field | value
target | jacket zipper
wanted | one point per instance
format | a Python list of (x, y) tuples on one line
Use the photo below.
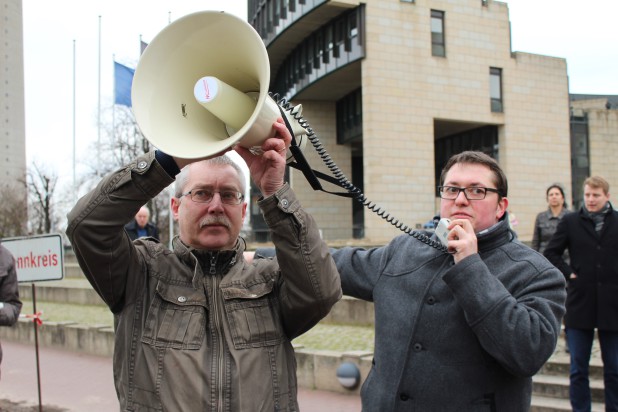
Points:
[(217, 322)]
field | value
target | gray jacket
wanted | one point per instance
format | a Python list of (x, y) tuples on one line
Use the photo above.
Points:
[(465, 337), (202, 330)]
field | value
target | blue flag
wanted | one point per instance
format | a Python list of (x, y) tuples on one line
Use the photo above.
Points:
[(123, 79)]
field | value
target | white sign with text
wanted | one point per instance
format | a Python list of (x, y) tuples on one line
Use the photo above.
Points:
[(37, 257)]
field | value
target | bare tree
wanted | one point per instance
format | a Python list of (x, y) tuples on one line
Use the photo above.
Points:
[(13, 209), (41, 187), (123, 142)]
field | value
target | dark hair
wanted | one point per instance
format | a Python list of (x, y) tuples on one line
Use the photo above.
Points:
[(480, 158), (559, 187)]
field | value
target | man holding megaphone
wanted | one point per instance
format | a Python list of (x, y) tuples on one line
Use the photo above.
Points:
[(197, 327)]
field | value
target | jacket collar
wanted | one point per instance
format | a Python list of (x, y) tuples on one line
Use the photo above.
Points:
[(204, 261), (495, 236)]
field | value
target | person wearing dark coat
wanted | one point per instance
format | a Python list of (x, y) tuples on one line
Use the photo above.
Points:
[(591, 237), (10, 305), (463, 330), (140, 226)]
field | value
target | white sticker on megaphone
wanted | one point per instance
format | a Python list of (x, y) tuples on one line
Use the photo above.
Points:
[(206, 89)]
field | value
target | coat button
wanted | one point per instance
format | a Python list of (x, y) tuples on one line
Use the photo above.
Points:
[(404, 397), (142, 164), (182, 299), (285, 203), (431, 300), (417, 347)]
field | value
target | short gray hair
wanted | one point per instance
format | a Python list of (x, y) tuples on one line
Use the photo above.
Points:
[(223, 160)]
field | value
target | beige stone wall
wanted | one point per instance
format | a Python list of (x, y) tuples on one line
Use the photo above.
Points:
[(603, 140), (535, 140), (414, 88), (405, 89), (333, 213)]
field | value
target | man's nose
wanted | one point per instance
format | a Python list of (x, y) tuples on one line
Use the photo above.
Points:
[(461, 197), (215, 204)]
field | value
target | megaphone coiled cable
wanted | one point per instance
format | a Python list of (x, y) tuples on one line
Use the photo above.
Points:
[(345, 183)]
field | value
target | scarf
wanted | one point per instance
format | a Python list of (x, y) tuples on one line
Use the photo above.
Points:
[(598, 217)]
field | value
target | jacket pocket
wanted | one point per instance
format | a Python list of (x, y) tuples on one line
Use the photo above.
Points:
[(253, 314), (176, 318)]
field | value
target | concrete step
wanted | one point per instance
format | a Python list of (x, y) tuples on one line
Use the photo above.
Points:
[(316, 369), (560, 364), (73, 271), (557, 387), (547, 404), (74, 291)]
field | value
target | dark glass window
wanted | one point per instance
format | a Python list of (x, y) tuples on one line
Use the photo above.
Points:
[(438, 41), (495, 89), (483, 139)]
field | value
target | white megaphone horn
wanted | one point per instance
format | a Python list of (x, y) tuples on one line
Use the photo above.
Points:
[(201, 86)]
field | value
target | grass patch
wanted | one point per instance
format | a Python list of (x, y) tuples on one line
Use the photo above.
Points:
[(340, 338), (63, 312)]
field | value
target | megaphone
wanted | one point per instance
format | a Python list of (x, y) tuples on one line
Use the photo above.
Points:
[(201, 86)]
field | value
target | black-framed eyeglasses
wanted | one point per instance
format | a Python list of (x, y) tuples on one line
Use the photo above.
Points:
[(471, 193), (229, 197)]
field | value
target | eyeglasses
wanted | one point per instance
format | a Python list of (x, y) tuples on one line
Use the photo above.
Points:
[(229, 197), (471, 193)]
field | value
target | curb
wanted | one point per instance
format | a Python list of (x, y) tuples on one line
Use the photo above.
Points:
[(315, 369)]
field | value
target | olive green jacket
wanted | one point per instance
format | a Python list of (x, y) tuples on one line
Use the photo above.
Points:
[(202, 330)]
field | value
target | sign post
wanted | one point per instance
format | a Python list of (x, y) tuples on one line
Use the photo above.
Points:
[(37, 258)]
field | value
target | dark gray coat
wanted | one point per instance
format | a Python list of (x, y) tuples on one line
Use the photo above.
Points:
[(592, 298), (9, 292), (465, 337)]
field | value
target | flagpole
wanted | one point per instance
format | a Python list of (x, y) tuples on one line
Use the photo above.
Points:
[(114, 105), (74, 180), (99, 108)]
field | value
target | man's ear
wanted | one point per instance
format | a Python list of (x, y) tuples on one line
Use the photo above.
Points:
[(244, 211), (175, 204), (503, 205)]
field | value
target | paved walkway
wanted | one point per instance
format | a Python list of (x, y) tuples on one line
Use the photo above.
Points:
[(78, 382)]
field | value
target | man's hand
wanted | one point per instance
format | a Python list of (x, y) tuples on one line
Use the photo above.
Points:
[(462, 240), (267, 170)]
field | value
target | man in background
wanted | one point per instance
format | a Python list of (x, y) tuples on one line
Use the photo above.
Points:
[(591, 237), (141, 227)]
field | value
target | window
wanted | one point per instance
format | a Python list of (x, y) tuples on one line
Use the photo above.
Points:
[(438, 47), (495, 89)]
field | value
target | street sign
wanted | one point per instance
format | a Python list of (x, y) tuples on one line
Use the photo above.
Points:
[(37, 258)]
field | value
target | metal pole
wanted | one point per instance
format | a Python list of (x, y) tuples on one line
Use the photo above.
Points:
[(74, 156), (36, 346), (99, 108)]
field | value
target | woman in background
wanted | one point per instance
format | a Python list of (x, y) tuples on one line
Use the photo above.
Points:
[(547, 221)]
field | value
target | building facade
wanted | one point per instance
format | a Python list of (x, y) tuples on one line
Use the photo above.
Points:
[(594, 141), (392, 88), (12, 118)]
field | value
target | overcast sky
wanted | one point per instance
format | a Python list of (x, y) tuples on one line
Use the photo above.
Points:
[(580, 31)]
